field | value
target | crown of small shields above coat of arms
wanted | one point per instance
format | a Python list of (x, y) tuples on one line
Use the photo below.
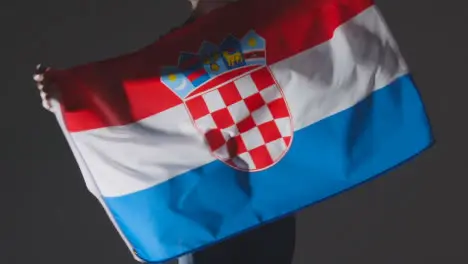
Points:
[(234, 101), (195, 69)]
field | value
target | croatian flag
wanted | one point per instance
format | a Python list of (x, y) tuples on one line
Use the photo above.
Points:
[(247, 115)]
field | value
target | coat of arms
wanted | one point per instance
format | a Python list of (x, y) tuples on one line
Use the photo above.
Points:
[(234, 101)]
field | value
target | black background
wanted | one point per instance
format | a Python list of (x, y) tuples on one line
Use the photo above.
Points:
[(416, 213)]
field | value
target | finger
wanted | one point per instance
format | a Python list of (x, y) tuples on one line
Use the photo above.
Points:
[(44, 96), (44, 87), (46, 101), (40, 86), (42, 83), (38, 78), (40, 72), (46, 104)]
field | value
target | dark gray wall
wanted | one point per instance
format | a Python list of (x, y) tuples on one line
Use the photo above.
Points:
[(414, 214)]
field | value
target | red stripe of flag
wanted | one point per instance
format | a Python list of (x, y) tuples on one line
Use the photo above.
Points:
[(123, 90)]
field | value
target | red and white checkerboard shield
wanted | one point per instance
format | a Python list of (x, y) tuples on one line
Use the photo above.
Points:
[(246, 121)]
